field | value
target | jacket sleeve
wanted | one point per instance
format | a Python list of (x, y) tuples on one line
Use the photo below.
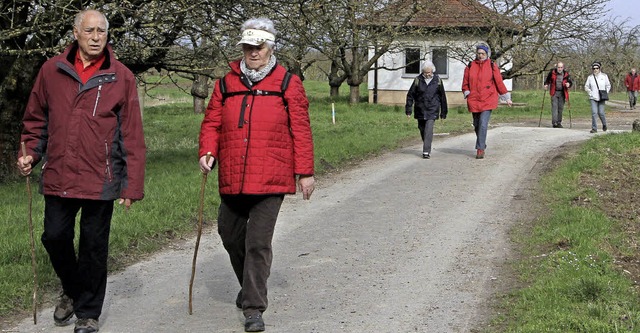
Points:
[(300, 123), (35, 132), (211, 124), (465, 79), (133, 142), (497, 77), (408, 107), (547, 81), (444, 109), (607, 83)]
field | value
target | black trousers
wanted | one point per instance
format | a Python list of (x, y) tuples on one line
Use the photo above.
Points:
[(83, 277), (246, 224)]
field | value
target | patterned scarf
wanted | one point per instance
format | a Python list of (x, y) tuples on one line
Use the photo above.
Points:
[(254, 75)]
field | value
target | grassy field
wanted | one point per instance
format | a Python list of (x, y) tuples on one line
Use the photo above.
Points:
[(597, 289)]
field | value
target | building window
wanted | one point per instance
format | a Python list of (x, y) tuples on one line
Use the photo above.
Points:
[(412, 61), (439, 59)]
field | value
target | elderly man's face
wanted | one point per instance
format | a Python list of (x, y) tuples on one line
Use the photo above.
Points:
[(91, 36), (427, 72), (256, 57)]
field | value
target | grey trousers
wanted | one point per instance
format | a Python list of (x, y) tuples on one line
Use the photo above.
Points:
[(633, 97), (557, 106), (426, 132)]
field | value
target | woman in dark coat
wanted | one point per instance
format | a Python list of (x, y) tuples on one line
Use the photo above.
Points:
[(428, 95)]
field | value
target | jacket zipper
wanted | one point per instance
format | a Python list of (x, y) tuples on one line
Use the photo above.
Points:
[(97, 98), (108, 169)]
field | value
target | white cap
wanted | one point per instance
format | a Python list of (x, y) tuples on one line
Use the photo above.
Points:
[(256, 37)]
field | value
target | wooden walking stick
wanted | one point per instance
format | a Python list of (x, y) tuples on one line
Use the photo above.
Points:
[(195, 250), (569, 104), (33, 246), (542, 107)]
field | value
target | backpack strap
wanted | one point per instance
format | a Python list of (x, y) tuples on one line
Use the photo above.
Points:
[(254, 92)]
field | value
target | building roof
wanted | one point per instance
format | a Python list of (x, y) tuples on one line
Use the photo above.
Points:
[(440, 14)]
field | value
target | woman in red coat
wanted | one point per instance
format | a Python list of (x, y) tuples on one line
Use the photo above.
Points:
[(482, 85), (257, 129)]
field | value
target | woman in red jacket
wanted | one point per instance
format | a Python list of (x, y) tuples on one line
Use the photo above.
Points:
[(482, 85), (257, 128)]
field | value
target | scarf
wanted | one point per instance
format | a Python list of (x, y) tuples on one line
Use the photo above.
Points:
[(254, 75)]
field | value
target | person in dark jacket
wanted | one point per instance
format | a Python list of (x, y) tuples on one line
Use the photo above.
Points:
[(83, 122), (260, 137), (428, 100), (558, 82)]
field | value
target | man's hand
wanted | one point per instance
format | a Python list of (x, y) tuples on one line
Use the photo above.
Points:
[(127, 203), (306, 186), (24, 165)]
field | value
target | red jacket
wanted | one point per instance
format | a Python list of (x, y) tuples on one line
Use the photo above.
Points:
[(263, 154), (484, 82), (632, 82), (550, 81), (90, 136)]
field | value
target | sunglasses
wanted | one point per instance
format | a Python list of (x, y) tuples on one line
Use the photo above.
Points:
[(595, 67)]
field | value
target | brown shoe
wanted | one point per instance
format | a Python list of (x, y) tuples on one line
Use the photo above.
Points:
[(63, 311), (86, 325), (480, 154)]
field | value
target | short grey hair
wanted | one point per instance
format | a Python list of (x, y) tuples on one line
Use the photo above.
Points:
[(260, 23), (429, 64), (77, 21)]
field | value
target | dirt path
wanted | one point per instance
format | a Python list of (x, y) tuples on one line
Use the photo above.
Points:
[(399, 244)]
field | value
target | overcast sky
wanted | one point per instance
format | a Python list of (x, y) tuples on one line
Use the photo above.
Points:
[(626, 11)]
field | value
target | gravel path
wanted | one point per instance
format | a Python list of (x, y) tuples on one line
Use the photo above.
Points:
[(399, 244)]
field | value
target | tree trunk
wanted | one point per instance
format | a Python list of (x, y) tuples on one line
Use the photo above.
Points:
[(199, 91), (354, 94), (14, 93)]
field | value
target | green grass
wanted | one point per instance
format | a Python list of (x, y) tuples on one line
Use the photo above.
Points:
[(571, 280), (173, 180)]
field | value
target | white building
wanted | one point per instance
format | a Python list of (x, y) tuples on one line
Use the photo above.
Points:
[(446, 32)]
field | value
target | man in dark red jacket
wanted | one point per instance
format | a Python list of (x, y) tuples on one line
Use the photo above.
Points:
[(260, 136), (83, 121), (558, 82), (632, 82)]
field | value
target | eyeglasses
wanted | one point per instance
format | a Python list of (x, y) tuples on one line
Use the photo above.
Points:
[(595, 67)]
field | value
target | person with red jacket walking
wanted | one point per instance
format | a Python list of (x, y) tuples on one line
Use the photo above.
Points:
[(257, 129), (632, 82), (558, 82), (83, 121), (482, 85)]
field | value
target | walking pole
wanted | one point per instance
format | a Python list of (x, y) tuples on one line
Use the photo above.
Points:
[(569, 104), (195, 251), (542, 107), (33, 248)]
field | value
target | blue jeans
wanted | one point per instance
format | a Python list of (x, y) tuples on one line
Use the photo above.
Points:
[(481, 126), (597, 108)]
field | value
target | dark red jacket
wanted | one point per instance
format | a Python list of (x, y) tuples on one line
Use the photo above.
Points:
[(550, 81), (632, 82), (262, 151), (89, 136), (484, 82)]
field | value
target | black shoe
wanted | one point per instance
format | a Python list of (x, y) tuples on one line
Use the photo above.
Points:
[(559, 126), (254, 323), (426, 155), (604, 128), (239, 300), (86, 325), (63, 311), (593, 131), (554, 125)]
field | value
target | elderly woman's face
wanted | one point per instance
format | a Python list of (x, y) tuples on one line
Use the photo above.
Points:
[(427, 72), (481, 54), (256, 57)]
